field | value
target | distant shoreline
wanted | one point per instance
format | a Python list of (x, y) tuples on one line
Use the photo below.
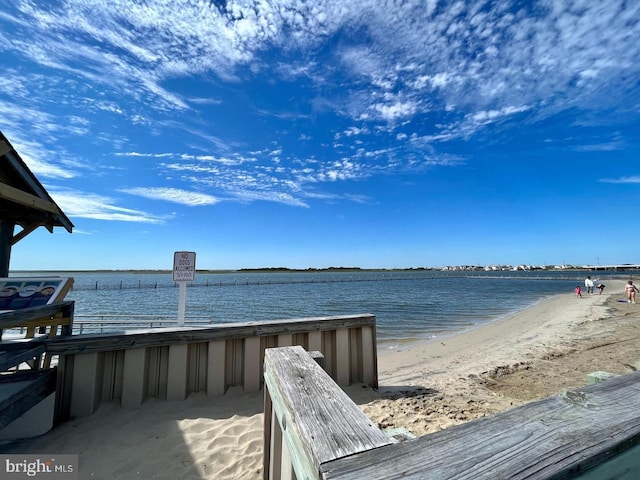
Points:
[(333, 270)]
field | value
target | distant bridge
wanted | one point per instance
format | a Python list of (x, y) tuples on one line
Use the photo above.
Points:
[(623, 267)]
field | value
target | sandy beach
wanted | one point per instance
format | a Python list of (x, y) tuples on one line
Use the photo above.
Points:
[(544, 350)]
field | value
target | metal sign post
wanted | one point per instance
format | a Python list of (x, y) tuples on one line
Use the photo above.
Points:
[(184, 270)]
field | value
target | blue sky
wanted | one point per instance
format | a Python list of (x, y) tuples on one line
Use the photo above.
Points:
[(376, 134)]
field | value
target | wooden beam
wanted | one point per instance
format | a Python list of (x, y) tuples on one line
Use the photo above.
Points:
[(4, 148), (23, 198), (16, 357), (227, 331), (558, 437), (26, 230)]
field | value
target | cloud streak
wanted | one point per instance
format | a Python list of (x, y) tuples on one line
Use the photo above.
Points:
[(175, 195), (96, 207)]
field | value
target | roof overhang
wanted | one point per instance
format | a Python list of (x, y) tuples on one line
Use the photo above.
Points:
[(23, 199)]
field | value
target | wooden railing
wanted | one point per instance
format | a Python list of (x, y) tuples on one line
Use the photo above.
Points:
[(117, 323), (45, 321), (314, 431), (308, 419), (55, 319), (171, 363), (26, 332)]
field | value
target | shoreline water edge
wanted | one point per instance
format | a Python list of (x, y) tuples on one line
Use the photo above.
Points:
[(409, 306), (540, 351)]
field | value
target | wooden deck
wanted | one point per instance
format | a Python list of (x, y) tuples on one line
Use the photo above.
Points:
[(590, 431)]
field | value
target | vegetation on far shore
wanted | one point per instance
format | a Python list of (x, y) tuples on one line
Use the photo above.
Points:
[(329, 269)]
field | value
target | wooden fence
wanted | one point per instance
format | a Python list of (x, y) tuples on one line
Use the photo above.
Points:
[(171, 363), (314, 431)]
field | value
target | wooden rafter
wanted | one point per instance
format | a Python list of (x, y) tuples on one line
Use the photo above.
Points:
[(25, 231), (23, 198)]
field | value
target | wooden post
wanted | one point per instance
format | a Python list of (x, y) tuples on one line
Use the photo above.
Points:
[(318, 421), (6, 235)]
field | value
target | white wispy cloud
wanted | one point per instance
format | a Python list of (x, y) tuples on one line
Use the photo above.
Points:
[(602, 147), (174, 195), (635, 179), (78, 204), (41, 161), (468, 53)]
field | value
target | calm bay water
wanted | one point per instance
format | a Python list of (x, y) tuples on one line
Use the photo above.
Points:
[(408, 305)]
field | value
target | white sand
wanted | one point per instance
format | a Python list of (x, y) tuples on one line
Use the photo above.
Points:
[(424, 388)]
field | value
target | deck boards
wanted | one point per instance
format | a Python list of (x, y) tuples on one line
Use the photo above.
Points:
[(559, 437)]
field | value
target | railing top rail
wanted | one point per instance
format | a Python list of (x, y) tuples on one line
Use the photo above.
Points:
[(137, 321), (16, 317), (558, 437), (318, 419), (94, 342), (137, 316)]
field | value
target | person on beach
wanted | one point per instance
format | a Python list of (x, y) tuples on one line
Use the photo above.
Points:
[(600, 287), (630, 289), (588, 283), (578, 291)]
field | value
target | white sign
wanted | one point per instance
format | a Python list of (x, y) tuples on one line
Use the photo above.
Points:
[(184, 266)]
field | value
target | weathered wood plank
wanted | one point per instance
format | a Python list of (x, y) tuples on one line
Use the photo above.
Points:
[(20, 343), (319, 421), (165, 336), (24, 392), (558, 437), (16, 357), (18, 317)]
